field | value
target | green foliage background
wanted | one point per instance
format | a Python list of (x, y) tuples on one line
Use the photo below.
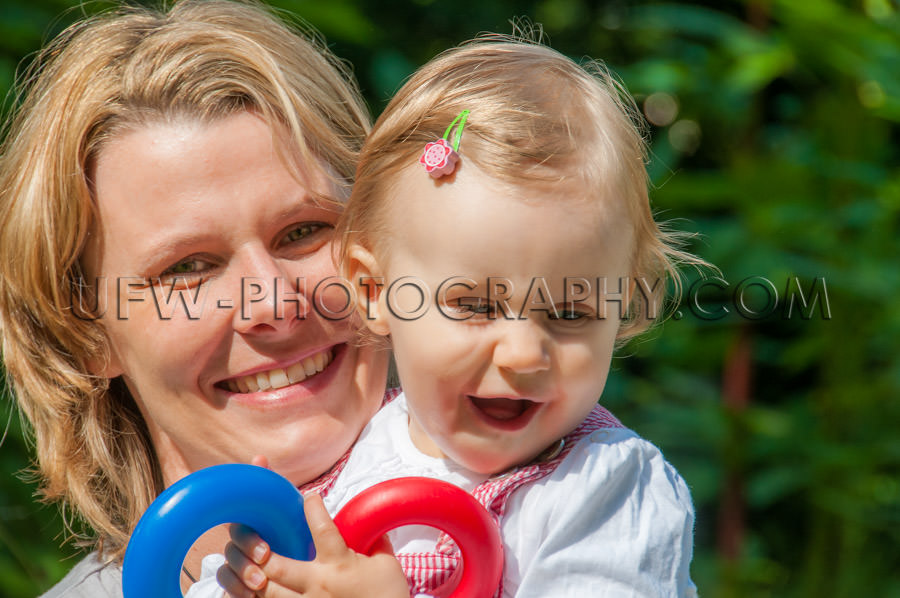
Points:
[(777, 135)]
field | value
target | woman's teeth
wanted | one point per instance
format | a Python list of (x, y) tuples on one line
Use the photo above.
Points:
[(280, 378)]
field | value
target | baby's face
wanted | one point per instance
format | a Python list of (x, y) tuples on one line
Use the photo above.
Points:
[(504, 330)]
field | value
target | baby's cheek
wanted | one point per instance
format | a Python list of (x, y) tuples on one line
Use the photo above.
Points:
[(585, 373)]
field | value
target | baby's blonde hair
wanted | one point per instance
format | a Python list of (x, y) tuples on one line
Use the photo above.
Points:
[(202, 60), (536, 118)]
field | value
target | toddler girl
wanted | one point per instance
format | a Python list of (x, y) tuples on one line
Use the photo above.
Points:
[(500, 235)]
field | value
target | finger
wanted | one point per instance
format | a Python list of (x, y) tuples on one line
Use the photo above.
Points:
[(249, 542), (226, 578), (248, 572), (286, 575), (383, 546), (327, 539), (273, 590), (260, 461)]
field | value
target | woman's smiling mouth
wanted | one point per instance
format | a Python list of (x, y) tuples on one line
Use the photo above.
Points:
[(279, 378)]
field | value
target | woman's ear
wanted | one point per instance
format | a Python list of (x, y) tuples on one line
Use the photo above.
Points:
[(366, 276), (105, 365)]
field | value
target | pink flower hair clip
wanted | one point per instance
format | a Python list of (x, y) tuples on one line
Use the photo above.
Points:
[(440, 157)]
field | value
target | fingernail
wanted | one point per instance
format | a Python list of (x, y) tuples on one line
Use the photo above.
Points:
[(257, 579), (259, 553)]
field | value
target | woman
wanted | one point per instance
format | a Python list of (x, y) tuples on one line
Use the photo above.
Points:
[(169, 188)]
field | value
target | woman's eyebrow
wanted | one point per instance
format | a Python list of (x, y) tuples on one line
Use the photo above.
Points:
[(169, 246)]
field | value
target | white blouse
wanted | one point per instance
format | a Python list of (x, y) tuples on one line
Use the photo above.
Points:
[(614, 519)]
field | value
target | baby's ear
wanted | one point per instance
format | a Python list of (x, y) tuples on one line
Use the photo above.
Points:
[(365, 274)]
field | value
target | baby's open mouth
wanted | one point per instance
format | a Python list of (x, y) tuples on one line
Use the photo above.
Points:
[(279, 378), (501, 408)]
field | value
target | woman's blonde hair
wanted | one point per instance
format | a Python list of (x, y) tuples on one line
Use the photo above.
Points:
[(536, 118), (199, 59)]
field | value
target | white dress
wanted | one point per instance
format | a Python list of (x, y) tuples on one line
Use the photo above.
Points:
[(611, 517)]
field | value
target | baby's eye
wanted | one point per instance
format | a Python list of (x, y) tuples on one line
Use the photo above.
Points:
[(571, 316), (477, 306)]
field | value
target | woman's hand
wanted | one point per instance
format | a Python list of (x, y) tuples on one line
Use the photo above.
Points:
[(337, 572)]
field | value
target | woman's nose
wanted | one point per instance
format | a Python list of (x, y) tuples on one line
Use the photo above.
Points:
[(522, 347), (270, 299)]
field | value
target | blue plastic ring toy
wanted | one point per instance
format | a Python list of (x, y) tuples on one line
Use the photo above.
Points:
[(234, 493)]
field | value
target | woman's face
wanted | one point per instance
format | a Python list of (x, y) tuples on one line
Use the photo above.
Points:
[(208, 250)]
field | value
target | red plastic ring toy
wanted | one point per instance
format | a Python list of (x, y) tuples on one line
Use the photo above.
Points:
[(425, 501)]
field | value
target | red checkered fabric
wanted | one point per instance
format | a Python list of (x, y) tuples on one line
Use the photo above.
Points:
[(426, 572)]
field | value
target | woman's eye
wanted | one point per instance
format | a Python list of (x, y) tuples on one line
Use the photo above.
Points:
[(187, 270), (303, 231), (186, 267)]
